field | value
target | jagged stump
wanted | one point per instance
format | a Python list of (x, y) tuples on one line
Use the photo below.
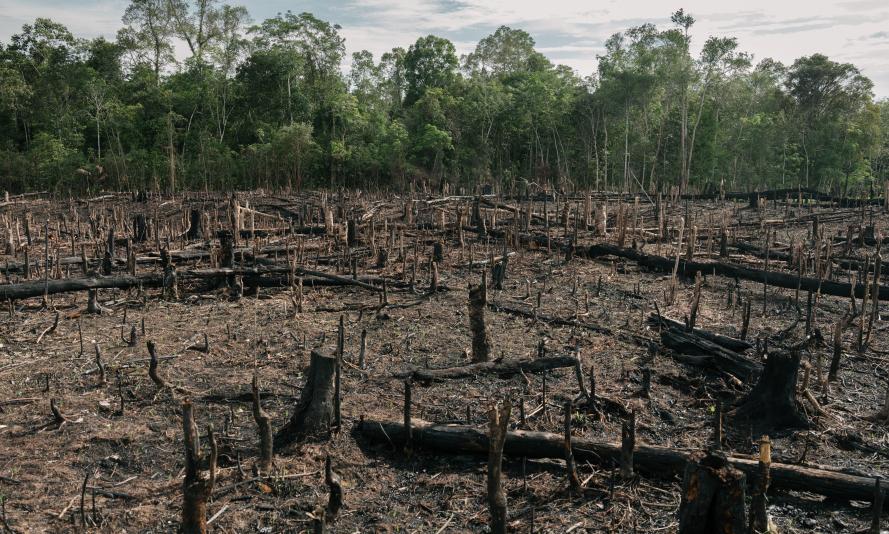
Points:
[(712, 496)]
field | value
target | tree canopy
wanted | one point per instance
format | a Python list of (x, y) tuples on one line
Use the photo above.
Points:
[(274, 104)]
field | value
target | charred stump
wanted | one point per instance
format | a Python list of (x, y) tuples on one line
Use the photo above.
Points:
[(264, 424), (92, 302), (226, 243), (712, 496), (315, 410), (771, 404), (481, 344), (140, 228), (195, 225), (498, 419), (196, 489)]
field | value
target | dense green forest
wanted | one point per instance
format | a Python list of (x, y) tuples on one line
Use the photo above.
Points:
[(278, 104)]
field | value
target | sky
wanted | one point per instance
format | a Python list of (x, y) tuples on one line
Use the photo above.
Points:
[(570, 32)]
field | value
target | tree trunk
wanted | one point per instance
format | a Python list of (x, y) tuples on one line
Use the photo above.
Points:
[(314, 411), (712, 496), (771, 404), (481, 344), (196, 225), (647, 459)]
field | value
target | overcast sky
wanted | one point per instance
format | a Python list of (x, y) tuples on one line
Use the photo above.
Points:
[(571, 32)]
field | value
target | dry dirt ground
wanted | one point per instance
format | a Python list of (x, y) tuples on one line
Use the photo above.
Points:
[(132, 458)]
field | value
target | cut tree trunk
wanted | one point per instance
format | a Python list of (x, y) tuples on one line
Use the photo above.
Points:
[(51, 287), (647, 459), (771, 404), (314, 411)]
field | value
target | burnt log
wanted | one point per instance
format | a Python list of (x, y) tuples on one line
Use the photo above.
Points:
[(696, 350), (651, 460), (689, 268), (51, 287), (730, 343), (505, 368)]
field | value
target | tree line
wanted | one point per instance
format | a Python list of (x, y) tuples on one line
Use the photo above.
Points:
[(275, 105)]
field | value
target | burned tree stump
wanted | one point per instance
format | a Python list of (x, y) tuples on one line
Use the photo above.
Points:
[(264, 424), (712, 496), (140, 229), (152, 366), (226, 242), (771, 404), (481, 344), (315, 410), (352, 236), (335, 490), (196, 489), (498, 419), (92, 302), (195, 225)]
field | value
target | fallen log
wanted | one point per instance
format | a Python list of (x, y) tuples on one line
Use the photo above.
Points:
[(772, 278), (505, 368), (51, 287), (533, 314), (727, 342), (649, 459), (253, 277), (341, 279), (706, 353)]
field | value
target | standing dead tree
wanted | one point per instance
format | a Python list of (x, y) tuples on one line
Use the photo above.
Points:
[(481, 343), (498, 419), (196, 488), (264, 424)]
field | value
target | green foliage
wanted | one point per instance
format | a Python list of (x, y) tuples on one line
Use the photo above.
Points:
[(268, 105)]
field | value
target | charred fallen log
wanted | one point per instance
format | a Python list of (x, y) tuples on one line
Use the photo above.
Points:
[(51, 287), (648, 459), (727, 342), (253, 277), (689, 268), (504, 368), (696, 350)]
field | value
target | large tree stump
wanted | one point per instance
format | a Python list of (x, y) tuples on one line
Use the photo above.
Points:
[(481, 344), (712, 496), (771, 404), (315, 410), (195, 224), (140, 228)]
